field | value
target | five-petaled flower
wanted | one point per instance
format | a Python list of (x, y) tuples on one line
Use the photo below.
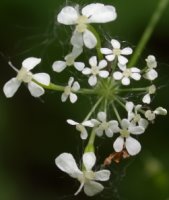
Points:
[(92, 13), (87, 177), (95, 70), (111, 54), (24, 75), (125, 140), (126, 74), (69, 91)]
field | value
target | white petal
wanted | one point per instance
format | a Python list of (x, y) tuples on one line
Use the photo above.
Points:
[(102, 64), (106, 51), (68, 16), (84, 134), (86, 71), (76, 86), (89, 160), (118, 144), (122, 60), (129, 106), (146, 99), (115, 44), (92, 80), (42, 78), (59, 66), (102, 175), (110, 57), (72, 122), (136, 76), (76, 51), (89, 39), (73, 97), (11, 87), (143, 123), (117, 75), (160, 111), (30, 63), (135, 70), (35, 89), (77, 40), (98, 13), (64, 97), (92, 188), (71, 79), (109, 132), (66, 163), (133, 146), (95, 122), (122, 67), (99, 132), (93, 61), (126, 51), (151, 75), (88, 123), (102, 116), (79, 66), (104, 74), (125, 123), (126, 81), (136, 130)]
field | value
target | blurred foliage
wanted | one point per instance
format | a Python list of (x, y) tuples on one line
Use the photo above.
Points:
[(34, 131)]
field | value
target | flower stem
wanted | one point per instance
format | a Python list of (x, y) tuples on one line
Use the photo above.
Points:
[(148, 31), (132, 90), (116, 113), (98, 46), (90, 144)]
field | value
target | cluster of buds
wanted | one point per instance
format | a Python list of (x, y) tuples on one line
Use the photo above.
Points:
[(110, 79)]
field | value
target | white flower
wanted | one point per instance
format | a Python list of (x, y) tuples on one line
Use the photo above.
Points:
[(59, 66), (69, 89), (126, 74), (147, 98), (86, 177), (95, 70), (151, 74), (111, 54), (24, 75), (151, 115), (81, 127), (125, 140), (102, 125), (133, 116), (92, 13)]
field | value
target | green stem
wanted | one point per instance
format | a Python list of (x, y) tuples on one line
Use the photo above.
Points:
[(116, 113), (90, 144), (98, 46), (148, 31), (93, 109), (120, 103), (132, 90)]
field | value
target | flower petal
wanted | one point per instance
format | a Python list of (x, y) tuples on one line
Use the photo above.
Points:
[(42, 78), (66, 163), (31, 62), (88, 123), (118, 144), (117, 75), (126, 51), (136, 130), (136, 76), (89, 160), (59, 66), (89, 39), (73, 97), (76, 86), (122, 60), (110, 57), (125, 123), (104, 74), (102, 64), (129, 106), (11, 87), (92, 80), (106, 51), (84, 134), (102, 175), (79, 66), (68, 16), (86, 71), (64, 97), (77, 40), (133, 146), (99, 13), (115, 44), (93, 61), (102, 116), (109, 132), (151, 75), (35, 89), (143, 123), (146, 99), (126, 81), (72, 122), (92, 188)]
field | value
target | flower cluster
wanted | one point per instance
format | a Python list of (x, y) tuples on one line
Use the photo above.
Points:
[(110, 78)]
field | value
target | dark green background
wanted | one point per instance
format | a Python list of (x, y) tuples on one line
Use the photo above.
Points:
[(33, 131)]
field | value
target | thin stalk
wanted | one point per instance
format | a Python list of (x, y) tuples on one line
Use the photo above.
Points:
[(90, 144), (116, 113), (148, 31), (120, 103), (132, 90)]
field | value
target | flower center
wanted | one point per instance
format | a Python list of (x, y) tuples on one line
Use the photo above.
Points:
[(70, 61), (117, 52), (124, 133), (104, 125), (67, 90), (127, 73), (24, 75), (81, 23), (137, 118), (95, 70), (89, 175), (149, 115), (152, 89)]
